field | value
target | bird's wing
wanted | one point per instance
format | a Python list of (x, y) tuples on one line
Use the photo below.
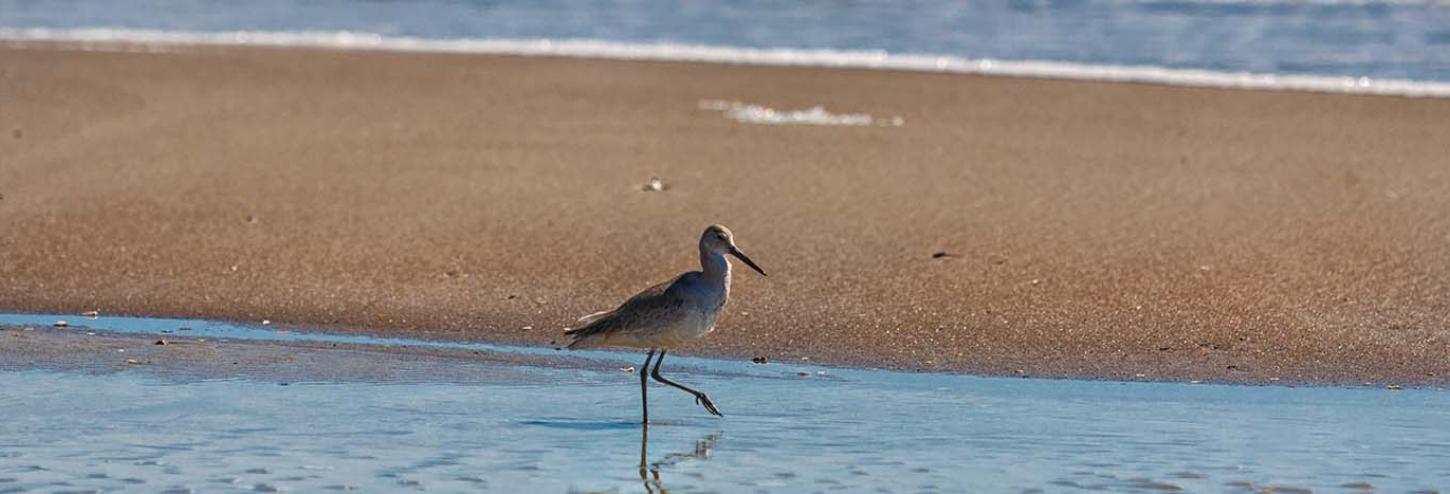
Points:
[(594, 317), (639, 311)]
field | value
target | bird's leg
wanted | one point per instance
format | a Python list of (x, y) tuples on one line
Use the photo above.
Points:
[(700, 398), (643, 380), (644, 456)]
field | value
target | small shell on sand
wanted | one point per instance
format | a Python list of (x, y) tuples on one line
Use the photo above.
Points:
[(653, 185)]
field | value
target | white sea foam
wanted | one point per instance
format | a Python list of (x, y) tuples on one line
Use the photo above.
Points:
[(816, 115), (111, 38)]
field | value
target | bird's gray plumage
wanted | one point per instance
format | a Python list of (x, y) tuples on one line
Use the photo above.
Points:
[(656, 306), (669, 314)]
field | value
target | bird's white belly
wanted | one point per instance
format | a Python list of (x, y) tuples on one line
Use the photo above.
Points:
[(690, 327)]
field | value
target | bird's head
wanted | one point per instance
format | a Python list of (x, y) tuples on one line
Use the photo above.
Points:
[(719, 240)]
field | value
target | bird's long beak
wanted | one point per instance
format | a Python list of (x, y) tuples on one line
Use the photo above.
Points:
[(741, 255)]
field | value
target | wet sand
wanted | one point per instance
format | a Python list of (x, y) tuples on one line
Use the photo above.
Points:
[(189, 350), (1096, 230), (181, 358)]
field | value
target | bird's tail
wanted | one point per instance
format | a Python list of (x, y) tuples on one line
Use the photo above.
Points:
[(590, 331), (591, 319)]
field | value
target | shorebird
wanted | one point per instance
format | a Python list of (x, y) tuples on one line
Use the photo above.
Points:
[(669, 314)]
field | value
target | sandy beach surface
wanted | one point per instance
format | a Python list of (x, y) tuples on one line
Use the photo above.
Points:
[(1010, 226)]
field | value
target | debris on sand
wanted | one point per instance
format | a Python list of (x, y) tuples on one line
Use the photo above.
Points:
[(760, 360), (91, 314), (162, 342), (653, 185), (61, 324), (942, 254)]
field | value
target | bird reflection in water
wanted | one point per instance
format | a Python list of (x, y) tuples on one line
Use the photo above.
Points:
[(650, 472)]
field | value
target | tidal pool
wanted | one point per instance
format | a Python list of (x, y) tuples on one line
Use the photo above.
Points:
[(566, 424)]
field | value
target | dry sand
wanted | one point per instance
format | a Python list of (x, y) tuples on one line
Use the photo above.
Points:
[(1094, 229)]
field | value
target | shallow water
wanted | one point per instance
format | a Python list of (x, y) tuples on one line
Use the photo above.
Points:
[(572, 428)]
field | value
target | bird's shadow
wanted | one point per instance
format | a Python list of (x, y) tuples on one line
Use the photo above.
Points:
[(579, 425), (594, 425)]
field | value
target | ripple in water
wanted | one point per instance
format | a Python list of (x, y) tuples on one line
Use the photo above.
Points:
[(863, 431)]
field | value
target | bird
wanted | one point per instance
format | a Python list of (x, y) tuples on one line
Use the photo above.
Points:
[(668, 315)]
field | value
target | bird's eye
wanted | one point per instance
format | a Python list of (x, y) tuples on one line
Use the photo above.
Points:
[(721, 237)]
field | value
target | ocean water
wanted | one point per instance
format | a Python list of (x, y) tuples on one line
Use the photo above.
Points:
[(1399, 47), (565, 427)]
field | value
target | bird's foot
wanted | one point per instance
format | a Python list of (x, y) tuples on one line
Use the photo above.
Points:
[(703, 400)]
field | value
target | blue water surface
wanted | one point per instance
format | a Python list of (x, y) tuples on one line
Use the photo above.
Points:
[(575, 429), (1369, 38)]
